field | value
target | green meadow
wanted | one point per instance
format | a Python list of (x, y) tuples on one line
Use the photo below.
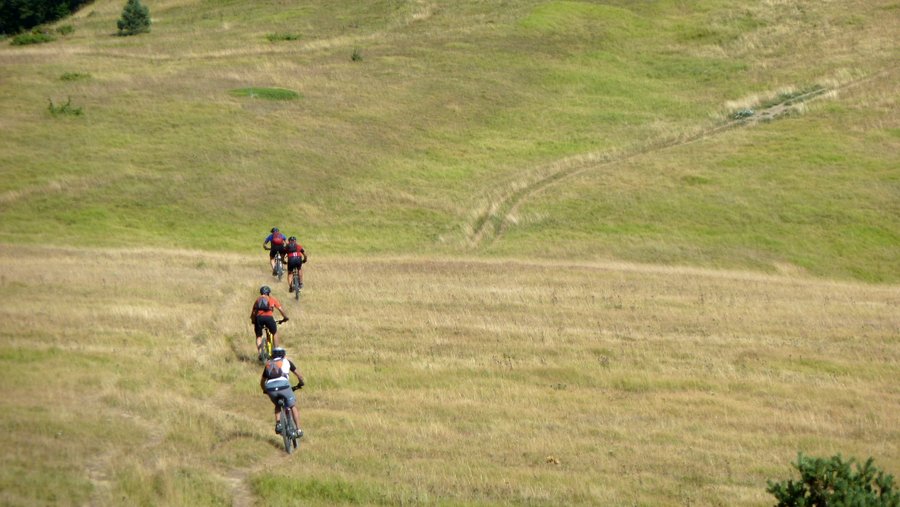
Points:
[(561, 252)]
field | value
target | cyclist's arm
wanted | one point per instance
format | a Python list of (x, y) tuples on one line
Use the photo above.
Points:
[(281, 311), (297, 374)]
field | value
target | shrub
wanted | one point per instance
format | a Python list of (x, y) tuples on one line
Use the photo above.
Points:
[(65, 30), (65, 109), (356, 56), (831, 481), (135, 19), (35, 37)]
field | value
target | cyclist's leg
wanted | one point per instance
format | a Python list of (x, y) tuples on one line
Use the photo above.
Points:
[(291, 404), (296, 416), (272, 258), (259, 332), (269, 322)]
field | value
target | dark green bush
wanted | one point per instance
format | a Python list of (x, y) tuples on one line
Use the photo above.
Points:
[(356, 56), (832, 482), (135, 18), (35, 37)]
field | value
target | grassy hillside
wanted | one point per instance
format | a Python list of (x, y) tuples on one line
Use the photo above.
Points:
[(435, 382), (563, 252), (452, 112)]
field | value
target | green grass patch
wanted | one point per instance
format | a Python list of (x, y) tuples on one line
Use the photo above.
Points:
[(74, 76), (281, 490), (282, 36), (266, 93), (66, 109)]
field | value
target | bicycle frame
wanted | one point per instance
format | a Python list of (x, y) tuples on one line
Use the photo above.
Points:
[(269, 342)]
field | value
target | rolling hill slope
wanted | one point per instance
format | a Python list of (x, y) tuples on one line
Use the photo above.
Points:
[(451, 109), (562, 252)]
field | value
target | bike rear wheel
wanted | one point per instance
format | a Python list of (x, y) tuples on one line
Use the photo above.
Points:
[(287, 430), (279, 269), (296, 284)]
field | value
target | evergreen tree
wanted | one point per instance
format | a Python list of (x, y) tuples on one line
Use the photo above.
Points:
[(135, 18)]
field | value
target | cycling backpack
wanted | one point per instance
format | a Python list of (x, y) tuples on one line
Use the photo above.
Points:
[(262, 304), (277, 239), (273, 368)]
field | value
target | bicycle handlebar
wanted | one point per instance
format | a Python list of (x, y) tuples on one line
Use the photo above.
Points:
[(282, 321)]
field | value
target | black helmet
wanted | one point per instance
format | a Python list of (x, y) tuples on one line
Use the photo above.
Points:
[(292, 238), (274, 229), (265, 290), (278, 352)]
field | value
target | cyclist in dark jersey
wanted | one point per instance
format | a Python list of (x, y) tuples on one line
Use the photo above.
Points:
[(277, 240), (296, 256)]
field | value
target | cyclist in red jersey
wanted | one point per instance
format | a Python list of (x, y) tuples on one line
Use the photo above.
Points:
[(262, 315), (296, 256)]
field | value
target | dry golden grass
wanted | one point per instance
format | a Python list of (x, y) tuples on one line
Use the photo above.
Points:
[(435, 380)]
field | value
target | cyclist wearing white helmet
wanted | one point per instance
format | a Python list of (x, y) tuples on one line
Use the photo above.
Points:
[(276, 383)]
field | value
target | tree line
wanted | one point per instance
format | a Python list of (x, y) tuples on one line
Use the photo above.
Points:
[(20, 15)]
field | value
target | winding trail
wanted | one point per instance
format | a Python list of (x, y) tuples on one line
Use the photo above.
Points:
[(493, 219)]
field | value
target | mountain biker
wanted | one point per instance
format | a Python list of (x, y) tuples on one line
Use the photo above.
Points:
[(277, 239), (276, 382), (262, 315), (296, 256)]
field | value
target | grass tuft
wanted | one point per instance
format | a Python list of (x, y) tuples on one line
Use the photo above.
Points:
[(74, 76), (66, 109)]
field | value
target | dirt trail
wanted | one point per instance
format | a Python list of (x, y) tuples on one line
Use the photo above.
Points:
[(494, 218)]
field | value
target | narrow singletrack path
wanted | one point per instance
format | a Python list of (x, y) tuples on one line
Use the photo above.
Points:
[(492, 220)]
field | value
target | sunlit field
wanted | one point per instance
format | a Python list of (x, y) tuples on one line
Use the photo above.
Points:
[(435, 381), (562, 252)]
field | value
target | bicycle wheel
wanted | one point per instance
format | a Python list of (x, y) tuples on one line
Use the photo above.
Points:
[(287, 430), (296, 284), (279, 269)]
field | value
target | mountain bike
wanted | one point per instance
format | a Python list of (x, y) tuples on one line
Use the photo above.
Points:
[(268, 343), (295, 283), (279, 266), (278, 269), (289, 431)]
